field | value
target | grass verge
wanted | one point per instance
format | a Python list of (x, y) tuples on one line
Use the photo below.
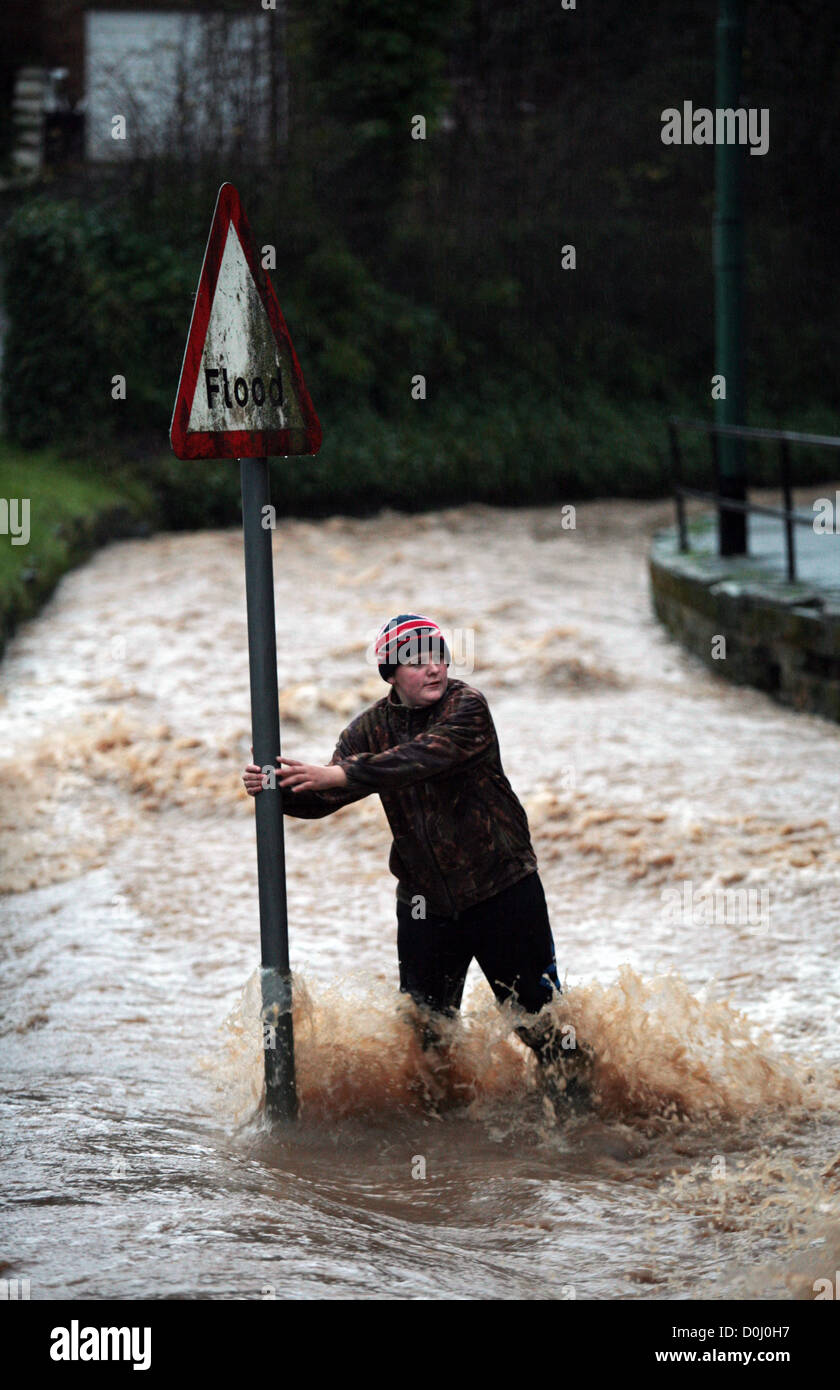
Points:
[(72, 510)]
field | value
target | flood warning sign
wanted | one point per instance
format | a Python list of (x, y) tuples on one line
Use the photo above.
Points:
[(241, 393), (241, 378)]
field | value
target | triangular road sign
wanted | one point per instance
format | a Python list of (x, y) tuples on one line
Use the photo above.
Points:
[(241, 393)]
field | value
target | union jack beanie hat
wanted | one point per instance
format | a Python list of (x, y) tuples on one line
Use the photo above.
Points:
[(406, 639)]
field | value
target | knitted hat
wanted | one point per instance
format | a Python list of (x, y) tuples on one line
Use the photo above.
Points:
[(405, 639)]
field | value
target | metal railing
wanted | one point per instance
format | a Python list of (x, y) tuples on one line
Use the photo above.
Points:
[(784, 438)]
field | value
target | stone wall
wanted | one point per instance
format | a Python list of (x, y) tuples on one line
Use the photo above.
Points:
[(781, 638)]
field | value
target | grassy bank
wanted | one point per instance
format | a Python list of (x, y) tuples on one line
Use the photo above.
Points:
[(72, 510)]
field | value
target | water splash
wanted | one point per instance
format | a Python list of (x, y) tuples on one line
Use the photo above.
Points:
[(660, 1053)]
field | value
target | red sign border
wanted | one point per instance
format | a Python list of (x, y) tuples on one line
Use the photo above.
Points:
[(187, 444)]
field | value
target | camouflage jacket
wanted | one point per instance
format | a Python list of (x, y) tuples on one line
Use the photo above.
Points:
[(460, 832)]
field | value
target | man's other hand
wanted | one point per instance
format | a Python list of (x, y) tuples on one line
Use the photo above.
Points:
[(252, 777)]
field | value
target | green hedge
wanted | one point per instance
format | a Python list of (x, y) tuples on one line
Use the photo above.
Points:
[(88, 298), (518, 451)]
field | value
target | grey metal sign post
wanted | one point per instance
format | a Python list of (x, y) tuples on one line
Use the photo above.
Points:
[(278, 1037), (242, 395)]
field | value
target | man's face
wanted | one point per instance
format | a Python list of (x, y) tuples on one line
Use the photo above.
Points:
[(420, 682)]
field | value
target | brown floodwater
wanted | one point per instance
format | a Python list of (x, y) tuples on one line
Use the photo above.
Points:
[(686, 831)]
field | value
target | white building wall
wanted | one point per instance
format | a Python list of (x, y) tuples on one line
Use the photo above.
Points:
[(183, 83)]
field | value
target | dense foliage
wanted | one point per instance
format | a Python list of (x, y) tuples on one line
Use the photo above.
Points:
[(444, 256)]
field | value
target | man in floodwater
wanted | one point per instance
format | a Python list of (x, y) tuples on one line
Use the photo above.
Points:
[(467, 880)]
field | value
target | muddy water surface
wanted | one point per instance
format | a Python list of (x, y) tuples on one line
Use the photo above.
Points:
[(135, 1163)]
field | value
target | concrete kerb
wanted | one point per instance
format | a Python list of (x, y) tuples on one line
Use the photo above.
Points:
[(781, 638)]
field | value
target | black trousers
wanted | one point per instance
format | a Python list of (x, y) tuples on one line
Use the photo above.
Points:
[(510, 937)]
